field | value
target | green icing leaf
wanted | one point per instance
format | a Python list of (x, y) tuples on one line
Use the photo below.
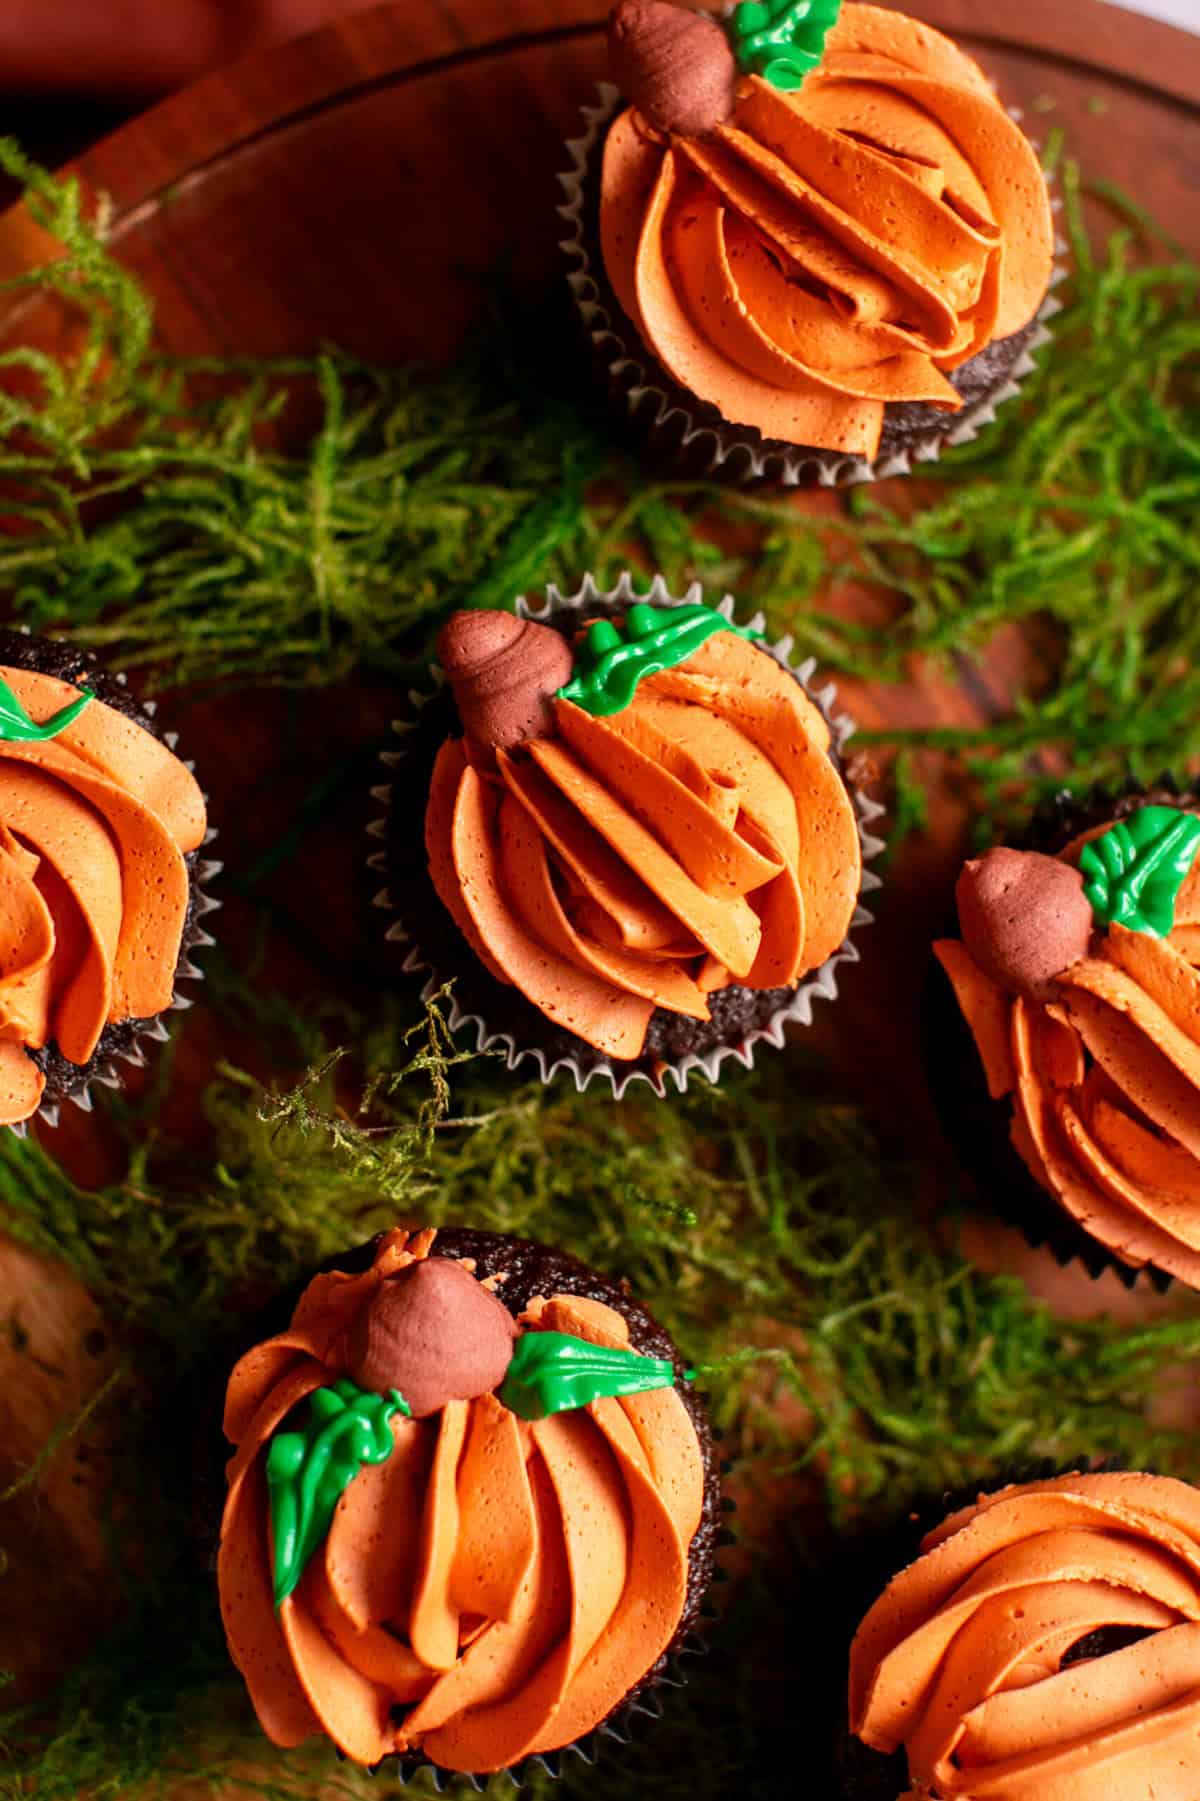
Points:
[(552, 1372), (16, 726), (608, 667), (782, 40), (1133, 874), (309, 1470)]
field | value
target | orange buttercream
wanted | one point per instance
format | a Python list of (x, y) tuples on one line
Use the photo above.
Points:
[(510, 1580), (832, 250), (648, 858), (96, 823), (1105, 1083), (986, 1008), (963, 1661)]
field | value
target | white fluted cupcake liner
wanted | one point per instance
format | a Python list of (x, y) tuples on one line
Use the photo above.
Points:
[(108, 1074), (822, 984), (713, 449)]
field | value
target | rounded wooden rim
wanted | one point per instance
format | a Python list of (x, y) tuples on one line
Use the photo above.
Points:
[(153, 156), (179, 141), (1094, 34)]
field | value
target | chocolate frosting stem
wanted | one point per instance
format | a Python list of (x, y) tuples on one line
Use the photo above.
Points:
[(504, 673), (675, 65)]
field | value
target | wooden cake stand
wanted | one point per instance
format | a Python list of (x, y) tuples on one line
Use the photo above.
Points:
[(357, 187)]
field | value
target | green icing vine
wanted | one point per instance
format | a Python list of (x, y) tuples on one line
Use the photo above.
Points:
[(1133, 873), (782, 40), (552, 1372), (309, 1470), (17, 727), (608, 667)]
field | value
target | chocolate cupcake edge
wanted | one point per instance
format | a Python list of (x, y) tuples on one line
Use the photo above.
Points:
[(661, 411), (121, 1041), (775, 1014)]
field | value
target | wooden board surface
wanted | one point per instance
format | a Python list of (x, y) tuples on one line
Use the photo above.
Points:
[(358, 186)]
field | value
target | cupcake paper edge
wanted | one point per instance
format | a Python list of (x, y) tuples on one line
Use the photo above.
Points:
[(196, 937), (822, 983), (650, 408)]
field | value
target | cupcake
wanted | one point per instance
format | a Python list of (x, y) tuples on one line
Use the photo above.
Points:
[(1044, 1646), (808, 242), (100, 826), (640, 854), (472, 1507), (1075, 979)]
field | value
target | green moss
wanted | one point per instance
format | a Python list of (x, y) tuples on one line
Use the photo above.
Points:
[(251, 549), (892, 1369), (855, 1362)]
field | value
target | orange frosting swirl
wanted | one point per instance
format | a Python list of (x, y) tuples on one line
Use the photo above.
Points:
[(1105, 1081), (701, 836), (94, 827), (829, 251), (963, 1660), (507, 1582)]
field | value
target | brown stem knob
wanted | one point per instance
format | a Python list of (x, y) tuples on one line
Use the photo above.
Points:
[(1024, 918), (433, 1332), (504, 673), (675, 65)]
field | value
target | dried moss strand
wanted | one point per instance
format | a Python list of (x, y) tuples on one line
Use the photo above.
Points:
[(247, 552), (296, 522), (911, 1370), (64, 1430)]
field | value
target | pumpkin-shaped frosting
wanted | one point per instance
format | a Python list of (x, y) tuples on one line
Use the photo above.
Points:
[(494, 1586), (652, 841), (1098, 1052), (819, 254), (95, 825), (1045, 1646)]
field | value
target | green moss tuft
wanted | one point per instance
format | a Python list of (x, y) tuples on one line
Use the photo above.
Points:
[(249, 548), (187, 519), (767, 1213)]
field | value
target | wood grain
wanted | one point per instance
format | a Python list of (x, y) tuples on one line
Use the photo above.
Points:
[(208, 152), (55, 1353), (358, 186)]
